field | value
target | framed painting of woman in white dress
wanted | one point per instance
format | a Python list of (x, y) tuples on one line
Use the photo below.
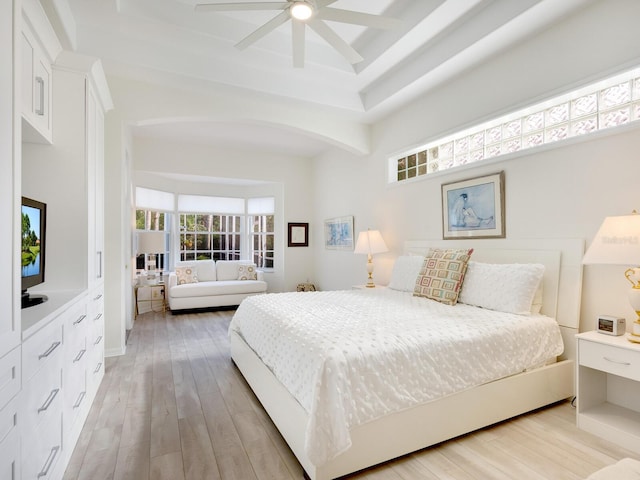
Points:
[(474, 208)]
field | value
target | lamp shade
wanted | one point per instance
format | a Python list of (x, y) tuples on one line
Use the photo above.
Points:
[(151, 242), (617, 242), (370, 242)]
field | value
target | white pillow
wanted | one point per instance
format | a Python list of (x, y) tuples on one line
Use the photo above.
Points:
[(503, 287), (405, 272)]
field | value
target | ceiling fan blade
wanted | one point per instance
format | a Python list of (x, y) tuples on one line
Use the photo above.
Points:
[(298, 34), (236, 7), (324, 3), (357, 18), (335, 41), (268, 27)]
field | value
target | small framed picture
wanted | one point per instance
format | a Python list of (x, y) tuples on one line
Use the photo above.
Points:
[(474, 208), (338, 233), (298, 235)]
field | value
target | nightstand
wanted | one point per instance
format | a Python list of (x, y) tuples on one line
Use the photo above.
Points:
[(150, 298), (608, 388), (364, 287)]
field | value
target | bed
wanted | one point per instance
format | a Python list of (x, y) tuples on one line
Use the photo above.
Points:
[(424, 421)]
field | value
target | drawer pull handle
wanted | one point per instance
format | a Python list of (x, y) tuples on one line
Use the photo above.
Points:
[(49, 462), (98, 368), (97, 297), (616, 361), (79, 320), (80, 398), (77, 359), (49, 400), (98, 317), (49, 351), (98, 340)]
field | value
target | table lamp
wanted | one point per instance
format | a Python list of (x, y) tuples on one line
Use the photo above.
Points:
[(151, 243), (618, 243), (370, 242)]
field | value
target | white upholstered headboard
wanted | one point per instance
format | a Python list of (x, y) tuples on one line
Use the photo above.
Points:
[(562, 281)]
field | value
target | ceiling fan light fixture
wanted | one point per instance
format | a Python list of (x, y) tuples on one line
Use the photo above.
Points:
[(301, 10)]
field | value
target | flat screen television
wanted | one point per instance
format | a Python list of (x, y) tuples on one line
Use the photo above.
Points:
[(34, 225)]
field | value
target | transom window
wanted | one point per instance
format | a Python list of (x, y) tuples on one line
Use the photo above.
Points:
[(606, 104)]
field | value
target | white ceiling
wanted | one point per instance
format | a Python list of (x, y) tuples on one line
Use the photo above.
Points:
[(436, 40)]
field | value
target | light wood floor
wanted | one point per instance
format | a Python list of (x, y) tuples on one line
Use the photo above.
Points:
[(175, 407)]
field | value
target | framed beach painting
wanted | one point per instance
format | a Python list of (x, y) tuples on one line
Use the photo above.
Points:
[(474, 208), (338, 233)]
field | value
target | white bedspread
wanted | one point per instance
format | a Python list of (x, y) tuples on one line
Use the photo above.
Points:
[(350, 357)]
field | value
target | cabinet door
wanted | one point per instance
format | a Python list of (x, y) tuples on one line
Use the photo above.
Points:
[(36, 90), (9, 202), (95, 163)]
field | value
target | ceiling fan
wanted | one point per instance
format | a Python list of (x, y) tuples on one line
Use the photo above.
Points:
[(312, 13)]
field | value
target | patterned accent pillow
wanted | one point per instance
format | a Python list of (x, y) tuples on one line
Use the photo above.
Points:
[(441, 275), (247, 272), (186, 275)]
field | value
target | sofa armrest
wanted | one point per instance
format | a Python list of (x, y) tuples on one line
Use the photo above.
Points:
[(173, 280)]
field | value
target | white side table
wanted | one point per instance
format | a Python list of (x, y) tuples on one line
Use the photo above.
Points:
[(150, 298), (608, 388), (364, 287)]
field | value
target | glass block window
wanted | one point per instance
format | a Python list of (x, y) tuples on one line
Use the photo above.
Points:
[(606, 104)]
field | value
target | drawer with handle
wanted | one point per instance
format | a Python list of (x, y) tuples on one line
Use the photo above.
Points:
[(44, 450), (42, 395), (623, 362), (42, 347)]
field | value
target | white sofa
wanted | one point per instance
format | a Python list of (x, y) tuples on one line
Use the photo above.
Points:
[(215, 284)]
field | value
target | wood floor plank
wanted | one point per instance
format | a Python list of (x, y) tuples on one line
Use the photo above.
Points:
[(197, 452), (167, 467), (176, 407), (133, 462)]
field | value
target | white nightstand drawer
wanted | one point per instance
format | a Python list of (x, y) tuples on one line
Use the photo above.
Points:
[(611, 359)]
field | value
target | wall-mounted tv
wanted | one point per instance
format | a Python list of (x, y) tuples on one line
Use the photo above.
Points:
[(34, 225)]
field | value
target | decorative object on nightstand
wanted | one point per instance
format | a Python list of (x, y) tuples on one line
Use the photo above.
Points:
[(370, 243), (151, 243), (618, 243)]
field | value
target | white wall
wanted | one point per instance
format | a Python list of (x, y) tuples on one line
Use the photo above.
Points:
[(551, 193)]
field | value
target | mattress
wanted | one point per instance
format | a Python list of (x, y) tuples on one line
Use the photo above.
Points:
[(350, 357)]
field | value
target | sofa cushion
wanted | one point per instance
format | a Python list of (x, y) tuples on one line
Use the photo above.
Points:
[(221, 287), (228, 269), (186, 275), (247, 272), (205, 269)]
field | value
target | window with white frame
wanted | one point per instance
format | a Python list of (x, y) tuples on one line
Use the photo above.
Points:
[(261, 221), (153, 213), (609, 103), (210, 236), (227, 228)]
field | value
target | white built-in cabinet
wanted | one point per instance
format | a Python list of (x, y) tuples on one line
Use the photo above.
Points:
[(39, 47), (54, 357), (10, 327)]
